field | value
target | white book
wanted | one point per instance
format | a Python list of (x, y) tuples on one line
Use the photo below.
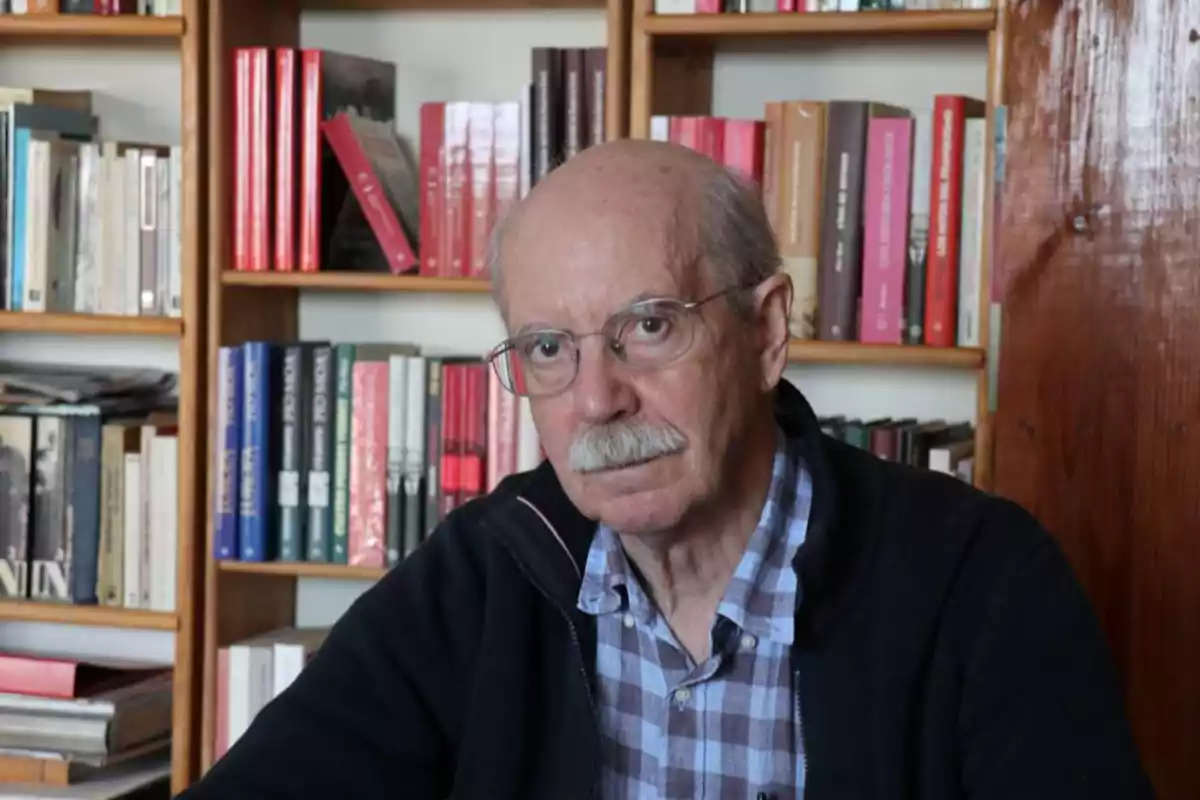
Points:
[(970, 251), (131, 567)]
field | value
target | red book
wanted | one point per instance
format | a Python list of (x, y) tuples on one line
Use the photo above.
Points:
[(287, 157), (885, 229), (22, 673), (383, 182), (473, 470), (712, 137), (455, 221), (368, 465), (452, 379), (743, 147), (261, 159), (241, 159), (945, 217), (685, 131), (433, 138), (506, 160)]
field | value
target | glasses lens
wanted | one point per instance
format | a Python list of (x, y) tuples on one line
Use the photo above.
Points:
[(537, 363), (654, 333)]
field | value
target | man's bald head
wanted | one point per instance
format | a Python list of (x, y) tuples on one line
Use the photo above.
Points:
[(687, 205)]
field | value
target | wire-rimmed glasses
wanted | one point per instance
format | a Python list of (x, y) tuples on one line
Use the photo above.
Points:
[(648, 335)]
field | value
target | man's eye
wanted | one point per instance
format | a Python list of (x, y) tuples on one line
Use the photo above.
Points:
[(542, 349)]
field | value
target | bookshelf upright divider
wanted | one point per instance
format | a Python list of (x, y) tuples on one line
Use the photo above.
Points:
[(186, 34), (671, 59)]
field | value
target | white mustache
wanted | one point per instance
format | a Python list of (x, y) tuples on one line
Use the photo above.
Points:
[(623, 444)]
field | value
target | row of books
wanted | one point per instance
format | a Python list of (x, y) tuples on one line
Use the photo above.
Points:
[(157, 8), (879, 212), (936, 444), (94, 224), (477, 158), (351, 453), (76, 726), (305, 119), (769, 6), (88, 486), (252, 672)]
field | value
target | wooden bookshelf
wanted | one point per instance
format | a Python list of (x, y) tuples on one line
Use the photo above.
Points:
[(817, 352), (184, 33), (302, 569), (103, 616), (86, 324), (670, 62), (355, 282), (93, 27), (862, 23)]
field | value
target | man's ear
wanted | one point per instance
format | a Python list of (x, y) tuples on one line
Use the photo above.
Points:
[(773, 301)]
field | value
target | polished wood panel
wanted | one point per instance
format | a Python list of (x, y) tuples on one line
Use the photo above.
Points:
[(303, 569), (1099, 382), (89, 26), (803, 351), (811, 24), (356, 281), (102, 324), (100, 616)]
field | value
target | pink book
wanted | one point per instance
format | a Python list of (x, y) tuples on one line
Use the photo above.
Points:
[(501, 432), (885, 228)]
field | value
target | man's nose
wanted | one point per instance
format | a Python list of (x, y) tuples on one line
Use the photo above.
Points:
[(601, 390)]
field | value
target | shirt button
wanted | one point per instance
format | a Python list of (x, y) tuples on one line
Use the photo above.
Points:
[(748, 641), (683, 695), (628, 620)]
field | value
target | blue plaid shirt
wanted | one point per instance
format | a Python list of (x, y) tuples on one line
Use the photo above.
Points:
[(726, 728)]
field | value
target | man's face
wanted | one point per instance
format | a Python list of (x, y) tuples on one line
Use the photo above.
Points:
[(575, 278)]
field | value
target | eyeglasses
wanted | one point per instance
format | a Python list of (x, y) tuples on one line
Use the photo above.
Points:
[(648, 335)]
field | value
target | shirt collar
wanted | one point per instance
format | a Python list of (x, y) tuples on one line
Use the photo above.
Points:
[(762, 594)]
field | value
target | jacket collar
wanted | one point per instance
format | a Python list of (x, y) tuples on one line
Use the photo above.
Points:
[(536, 501)]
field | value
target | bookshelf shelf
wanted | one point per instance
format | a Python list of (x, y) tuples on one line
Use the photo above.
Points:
[(817, 352), (89, 26), (295, 569), (101, 324), (355, 281), (820, 23), (102, 616)]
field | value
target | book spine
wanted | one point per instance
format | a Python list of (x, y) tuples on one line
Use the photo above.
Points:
[(799, 174), (261, 136), (320, 535), (889, 153), (433, 443), (414, 453), (226, 507), (473, 467), (397, 399), (742, 149), (85, 509), (506, 179), (481, 136), (918, 229), (573, 99), (241, 159), (287, 161), (254, 521), (433, 145), (310, 160), (595, 62), (368, 460), (341, 453), (545, 111), (458, 203), (370, 193), (49, 542), (970, 268), (941, 270), (452, 379), (289, 488), (840, 262), (17, 471)]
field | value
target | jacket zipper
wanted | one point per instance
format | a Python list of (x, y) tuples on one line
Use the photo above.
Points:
[(800, 732), (577, 646)]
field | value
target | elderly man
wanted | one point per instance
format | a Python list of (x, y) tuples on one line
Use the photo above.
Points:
[(699, 595)]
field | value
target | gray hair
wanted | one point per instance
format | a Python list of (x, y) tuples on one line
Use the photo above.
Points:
[(734, 231)]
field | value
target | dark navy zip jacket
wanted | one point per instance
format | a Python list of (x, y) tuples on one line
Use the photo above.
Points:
[(944, 650)]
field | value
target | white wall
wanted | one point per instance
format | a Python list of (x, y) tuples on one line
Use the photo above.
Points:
[(464, 55)]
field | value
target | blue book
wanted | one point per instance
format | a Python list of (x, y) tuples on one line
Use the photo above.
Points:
[(228, 432), (260, 452)]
